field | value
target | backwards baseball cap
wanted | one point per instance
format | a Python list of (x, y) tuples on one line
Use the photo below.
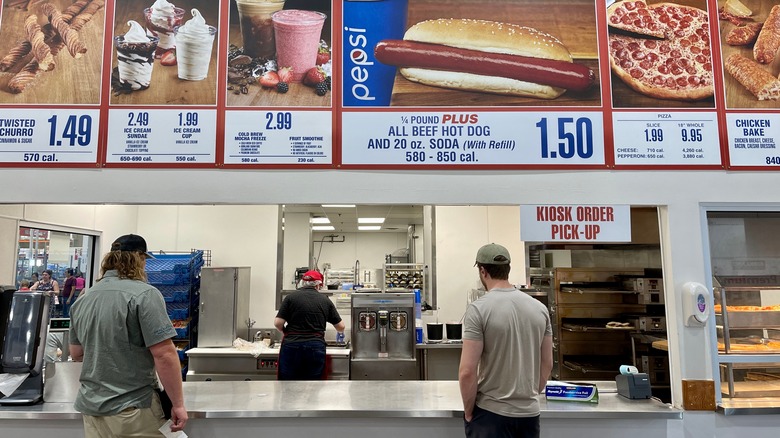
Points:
[(131, 242), (312, 276), (493, 254)]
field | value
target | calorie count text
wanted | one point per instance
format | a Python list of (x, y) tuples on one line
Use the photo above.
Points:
[(575, 138)]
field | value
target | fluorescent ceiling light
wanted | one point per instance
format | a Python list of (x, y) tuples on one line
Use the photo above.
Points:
[(369, 227), (338, 205), (319, 220), (371, 220), (323, 228)]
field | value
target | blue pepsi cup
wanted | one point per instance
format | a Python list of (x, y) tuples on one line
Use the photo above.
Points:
[(368, 82)]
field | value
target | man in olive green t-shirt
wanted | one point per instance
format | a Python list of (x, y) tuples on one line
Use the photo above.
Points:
[(121, 331), (507, 354)]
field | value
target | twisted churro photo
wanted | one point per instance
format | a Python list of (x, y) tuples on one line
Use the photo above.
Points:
[(51, 51)]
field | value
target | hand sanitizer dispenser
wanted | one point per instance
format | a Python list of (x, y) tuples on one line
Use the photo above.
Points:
[(696, 304)]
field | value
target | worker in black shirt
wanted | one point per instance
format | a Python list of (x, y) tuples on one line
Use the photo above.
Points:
[(302, 318)]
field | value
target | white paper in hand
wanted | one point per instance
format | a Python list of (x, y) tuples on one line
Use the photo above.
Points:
[(166, 431)]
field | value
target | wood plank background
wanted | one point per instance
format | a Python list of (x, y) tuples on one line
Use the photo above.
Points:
[(73, 81), (738, 96), (571, 21), (166, 88)]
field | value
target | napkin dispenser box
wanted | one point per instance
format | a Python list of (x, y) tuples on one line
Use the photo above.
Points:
[(634, 386)]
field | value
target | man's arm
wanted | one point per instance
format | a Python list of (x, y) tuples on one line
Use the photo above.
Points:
[(340, 327), (279, 323), (546, 362), (76, 352), (467, 375), (166, 362)]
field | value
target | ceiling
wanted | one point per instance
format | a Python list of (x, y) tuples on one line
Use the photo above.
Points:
[(345, 219)]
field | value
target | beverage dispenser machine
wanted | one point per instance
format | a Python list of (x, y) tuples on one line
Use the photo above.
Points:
[(383, 337)]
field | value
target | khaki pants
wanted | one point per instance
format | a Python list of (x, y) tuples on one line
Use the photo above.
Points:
[(132, 422)]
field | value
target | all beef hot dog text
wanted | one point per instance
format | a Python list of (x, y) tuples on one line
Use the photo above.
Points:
[(485, 56)]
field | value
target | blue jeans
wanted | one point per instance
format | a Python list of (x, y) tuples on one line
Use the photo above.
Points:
[(302, 360), (486, 424)]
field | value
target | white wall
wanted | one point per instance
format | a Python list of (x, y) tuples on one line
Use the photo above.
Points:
[(460, 232), (243, 235), (9, 235), (369, 248)]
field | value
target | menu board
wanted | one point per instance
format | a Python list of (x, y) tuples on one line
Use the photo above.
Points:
[(393, 84)]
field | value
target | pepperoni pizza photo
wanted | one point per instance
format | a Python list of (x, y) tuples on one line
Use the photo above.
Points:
[(750, 39), (660, 54)]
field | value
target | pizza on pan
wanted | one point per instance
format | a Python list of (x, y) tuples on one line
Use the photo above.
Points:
[(663, 51)]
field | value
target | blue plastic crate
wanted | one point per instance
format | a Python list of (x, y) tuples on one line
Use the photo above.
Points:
[(175, 293), (178, 311), (165, 278), (183, 265)]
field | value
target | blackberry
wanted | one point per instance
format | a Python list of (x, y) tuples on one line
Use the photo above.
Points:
[(282, 87), (327, 82), (321, 89)]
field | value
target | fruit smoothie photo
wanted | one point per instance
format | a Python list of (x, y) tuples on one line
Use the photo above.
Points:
[(297, 34)]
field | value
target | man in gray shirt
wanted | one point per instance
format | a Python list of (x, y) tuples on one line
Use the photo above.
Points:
[(507, 354), (121, 331)]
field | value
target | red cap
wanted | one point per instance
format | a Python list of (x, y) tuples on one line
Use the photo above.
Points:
[(312, 276)]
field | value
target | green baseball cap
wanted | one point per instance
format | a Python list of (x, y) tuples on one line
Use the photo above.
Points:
[(493, 254)]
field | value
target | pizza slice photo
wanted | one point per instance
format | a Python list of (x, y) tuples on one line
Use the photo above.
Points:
[(661, 51)]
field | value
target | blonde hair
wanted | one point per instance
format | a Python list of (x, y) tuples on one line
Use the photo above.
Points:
[(128, 264)]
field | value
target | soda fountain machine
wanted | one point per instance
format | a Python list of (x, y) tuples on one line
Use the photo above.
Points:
[(383, 337)]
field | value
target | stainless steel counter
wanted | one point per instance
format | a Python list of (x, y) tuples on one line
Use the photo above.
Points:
[(353, 399), (750, 406), (440, 346)]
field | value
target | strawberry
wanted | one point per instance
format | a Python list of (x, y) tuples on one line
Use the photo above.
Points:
[(285, 74), (168, 58), (314, 76), (269, 79), (323, 55)]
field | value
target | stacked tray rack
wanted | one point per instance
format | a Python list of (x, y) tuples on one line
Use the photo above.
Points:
[(177, 277)]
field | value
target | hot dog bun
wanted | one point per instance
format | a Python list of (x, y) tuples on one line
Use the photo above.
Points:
[(490, 37)]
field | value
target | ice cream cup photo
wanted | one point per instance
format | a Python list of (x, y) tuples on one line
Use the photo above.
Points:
[(194, 42), (135, 56), (161, 19), (297, 34), (368, 82), (257, 28)]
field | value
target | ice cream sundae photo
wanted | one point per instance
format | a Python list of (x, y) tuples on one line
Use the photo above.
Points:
[(135, 57), (161, 20)]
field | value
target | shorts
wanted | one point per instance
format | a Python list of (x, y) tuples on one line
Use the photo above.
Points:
[(486, 424), (133, 422)]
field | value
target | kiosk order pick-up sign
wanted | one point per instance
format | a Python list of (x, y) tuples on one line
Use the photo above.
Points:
[(575, 223)]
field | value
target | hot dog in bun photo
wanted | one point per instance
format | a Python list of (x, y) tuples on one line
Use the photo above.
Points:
[(485, 56)]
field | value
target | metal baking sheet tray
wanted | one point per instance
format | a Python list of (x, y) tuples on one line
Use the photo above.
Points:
[(752, 319)]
